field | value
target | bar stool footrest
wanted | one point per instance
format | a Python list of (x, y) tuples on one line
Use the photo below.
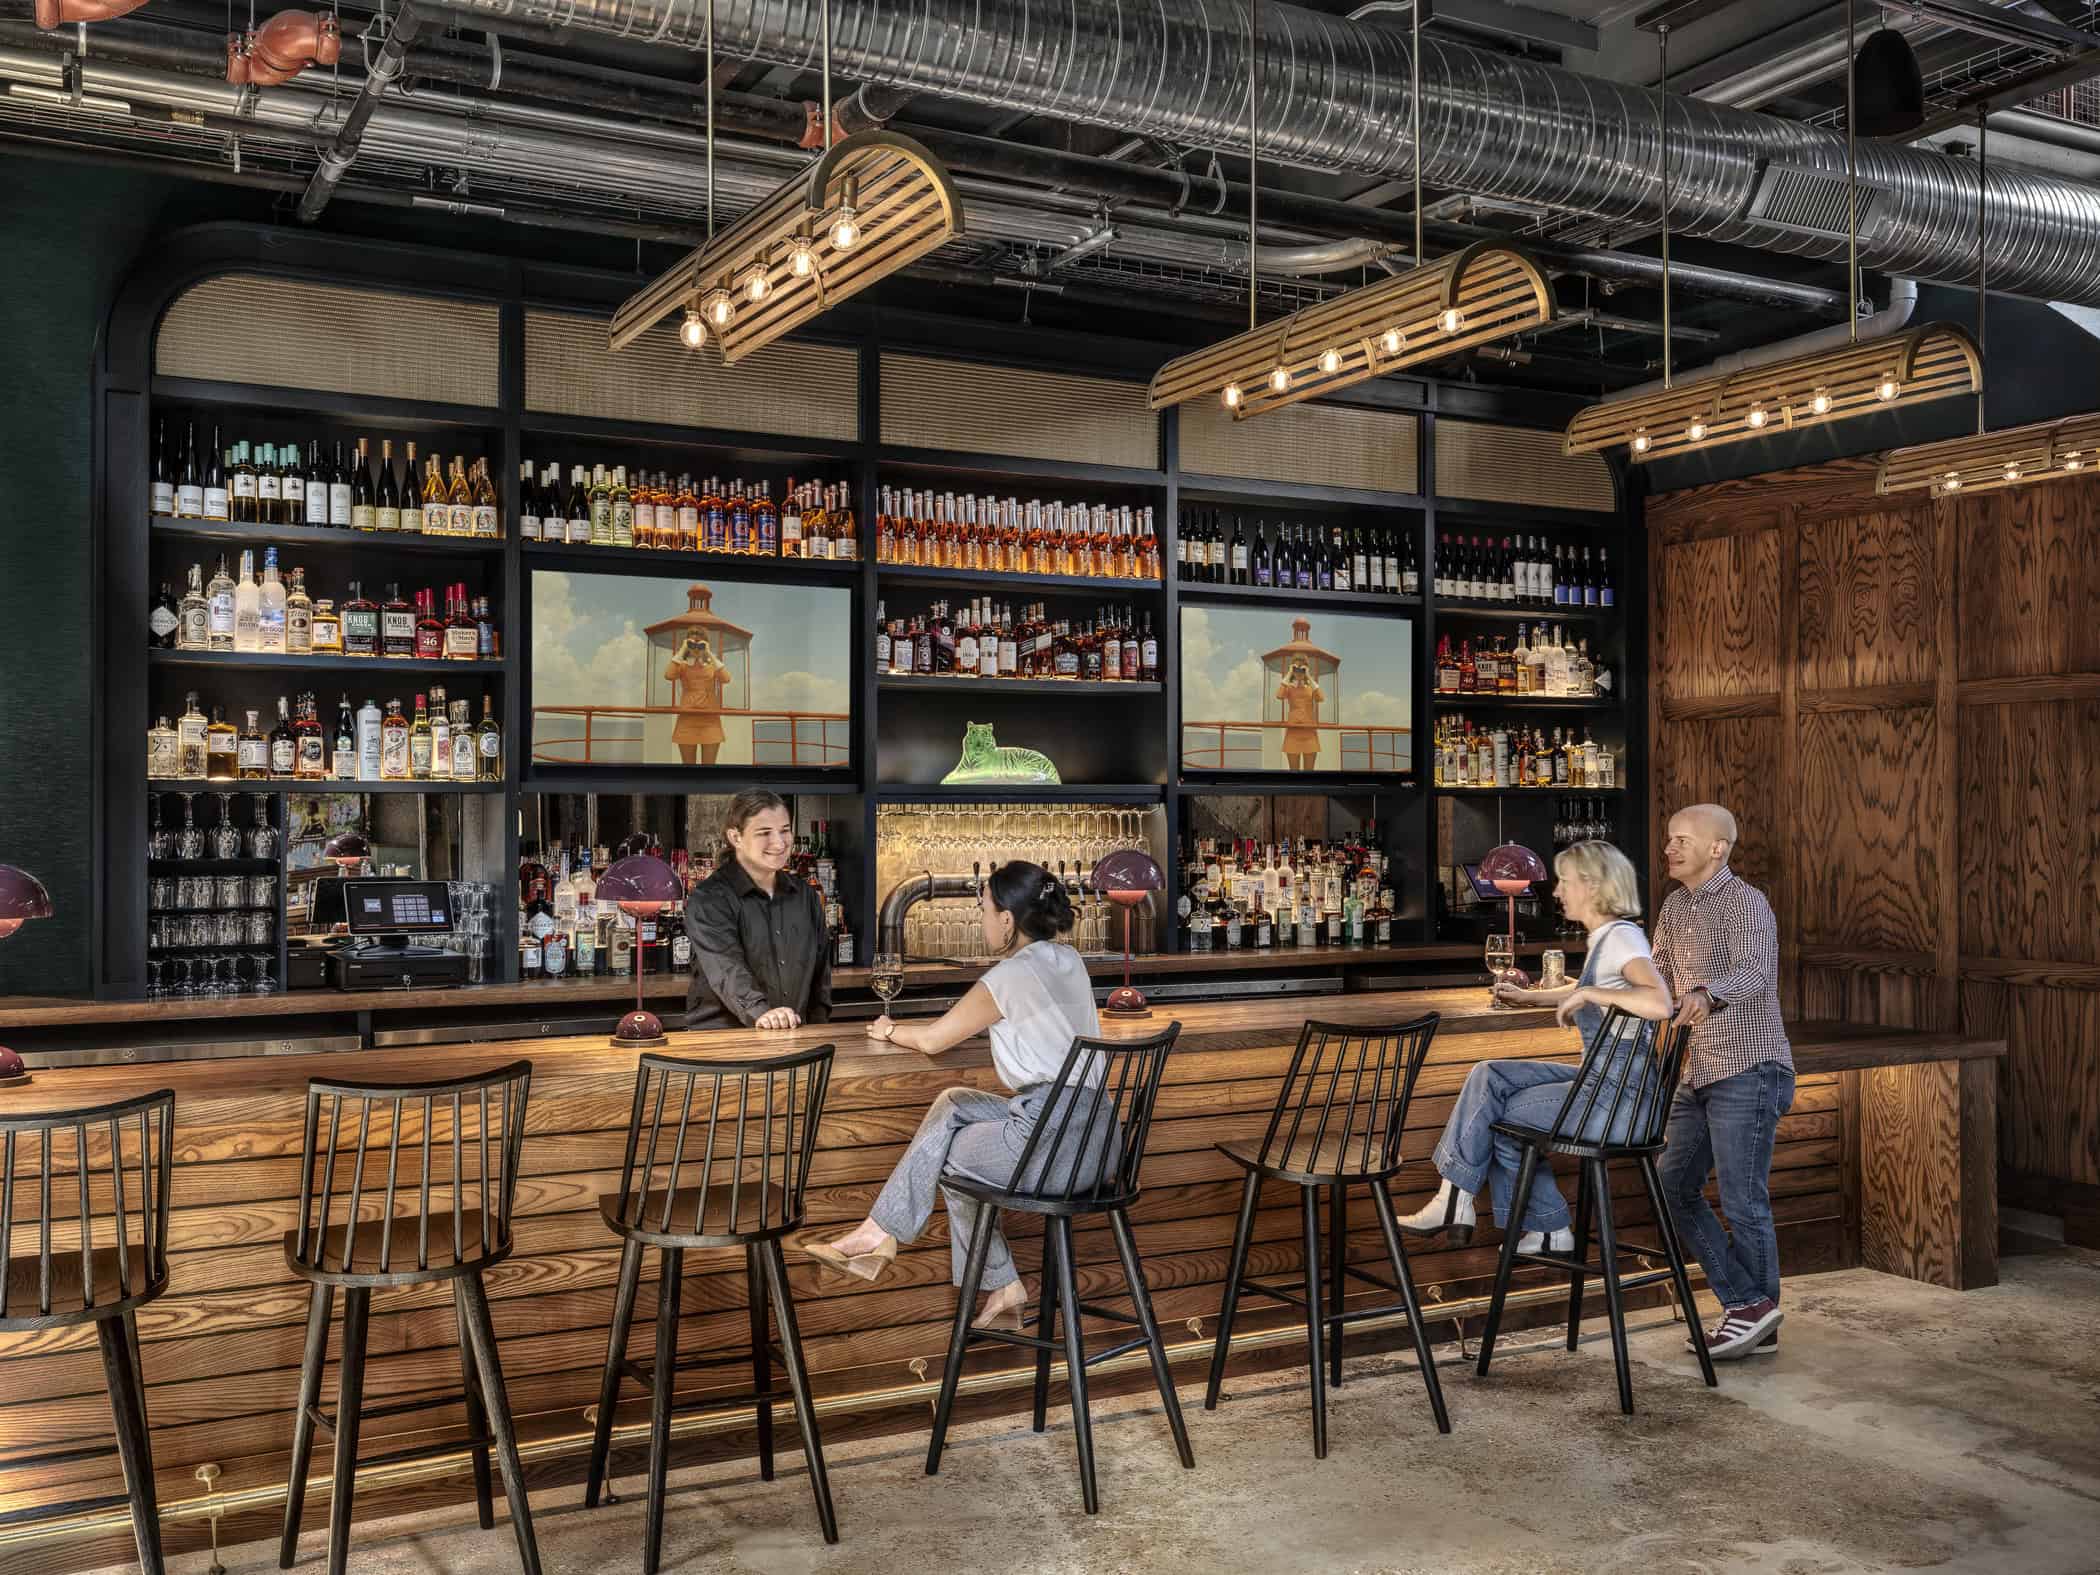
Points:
[(643, 1371), (1276, 1293)]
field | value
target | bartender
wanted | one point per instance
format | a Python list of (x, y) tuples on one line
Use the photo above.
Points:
[(760, 955)]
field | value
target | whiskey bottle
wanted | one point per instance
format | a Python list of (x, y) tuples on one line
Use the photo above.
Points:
[(162, 496), (270, 608), (221, 748), (397, 626), (339, 496), (489, 743), (327, 628), (193, 632), (164, 623), (488, 645), (462, 641), (192, 734), (440, 737), (437, 504), (360, 623), (309, 749), (419, 741), (299, 618), (430, 633), (189, 485), (284, 747), (393, 744), (215, 479)]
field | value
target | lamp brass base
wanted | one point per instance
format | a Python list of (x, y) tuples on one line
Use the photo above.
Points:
[(1127, 1002), (639, 1030)]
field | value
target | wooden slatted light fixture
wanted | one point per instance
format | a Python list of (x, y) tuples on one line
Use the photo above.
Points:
[(1935, 361), (1486, 292), (873, 203)]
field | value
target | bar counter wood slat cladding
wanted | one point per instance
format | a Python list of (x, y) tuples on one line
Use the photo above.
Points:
[(221, 1350)]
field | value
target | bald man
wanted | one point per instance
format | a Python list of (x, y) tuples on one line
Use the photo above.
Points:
[(1717, 948)]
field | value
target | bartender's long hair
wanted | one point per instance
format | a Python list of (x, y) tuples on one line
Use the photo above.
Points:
[(1041, 908)]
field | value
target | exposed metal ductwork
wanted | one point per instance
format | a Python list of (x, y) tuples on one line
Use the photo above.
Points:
[(1333, 94)]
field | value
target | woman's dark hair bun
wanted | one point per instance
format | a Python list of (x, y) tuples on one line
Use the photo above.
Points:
[(1037, 899)]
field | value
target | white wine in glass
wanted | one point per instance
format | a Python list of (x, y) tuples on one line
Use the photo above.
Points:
[(886, 976), (1501, 957)]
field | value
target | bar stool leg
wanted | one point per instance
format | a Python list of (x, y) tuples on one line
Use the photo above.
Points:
[(1309, 1209), (320, 1302), (1673, 1249), (1141, 1301), (798, 1381), (1404, 1277), (138, 1365), (670, 1269), (1075, 1364), (1045, 1324), (761, 1360), (349, 1406), (1228, 1310), (609, 1386), (1608, 1261), (128, 1410), (477, 1414), (1337, 1281), (1583, 1206), (959, 1336), (497, 1399), (1506, 1265)]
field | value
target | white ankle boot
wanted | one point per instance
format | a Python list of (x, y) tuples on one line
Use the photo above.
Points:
[(1535, 1241), (1449, 1214)]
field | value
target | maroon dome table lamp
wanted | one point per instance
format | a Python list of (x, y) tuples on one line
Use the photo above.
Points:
[(1128, 877), (346, 850), (639, 883), (1511, 869), (22, 896)]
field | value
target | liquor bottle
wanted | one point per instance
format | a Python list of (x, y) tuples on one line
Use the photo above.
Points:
[(488, 644), (270, 471), (339, 490), (440, 736), (461, 640), (489, 742), (397, 625), (488, 519), (459, 499), (271, 616), (163, 755), (309, 748), (529, 504), (739, 506), (1589, 580), (688, 505), (464, 747), (360, 623), (1604, 598), (419, 742), (393, 744), (189, 484), (345, 762), (430, 633), (221, 748), (765, 525), (215, 479), (298, 616), (192, 734), (164, 622), (284, 751), (194, 632), (247, 607), (162, 499), (327, 628)]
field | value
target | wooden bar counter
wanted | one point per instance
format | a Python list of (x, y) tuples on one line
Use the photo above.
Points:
[(1884, 1159)]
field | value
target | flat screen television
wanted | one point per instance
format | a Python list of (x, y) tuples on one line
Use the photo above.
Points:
[(1296, 690), (630, 670)]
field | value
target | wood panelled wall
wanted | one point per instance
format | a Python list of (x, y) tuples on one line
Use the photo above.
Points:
[(1900, 700)]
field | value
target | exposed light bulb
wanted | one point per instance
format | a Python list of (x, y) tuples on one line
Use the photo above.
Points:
[(1640, 440), (1820, 404), (845, 229), (1233, 396), (692, 333), (1280, 379), (2012, 470), (1392, 340), (1757, 416), (802, 261), (720, 309), (1951, 482), (2072, 460), (1330, 360), (1695, 431), (1888, 388), (1451, 319), (756, 285)]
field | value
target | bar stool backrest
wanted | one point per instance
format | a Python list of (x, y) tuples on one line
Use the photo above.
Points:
[(1628, 1079), (1090, 1133), (722, 1148), (434, 1166), (84, 1210), (1344, 1100)]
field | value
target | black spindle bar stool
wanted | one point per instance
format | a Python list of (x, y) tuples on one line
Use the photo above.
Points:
[(718, 1155), (86, 1191), (1336, 1125), (1618, 1107), (1082, 1157), (448, 1155)]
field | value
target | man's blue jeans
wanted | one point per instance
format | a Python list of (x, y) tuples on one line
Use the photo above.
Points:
[(1728, 1128)]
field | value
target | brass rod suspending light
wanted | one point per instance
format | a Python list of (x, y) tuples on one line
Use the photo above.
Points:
[(1487, 291), (873, 203)]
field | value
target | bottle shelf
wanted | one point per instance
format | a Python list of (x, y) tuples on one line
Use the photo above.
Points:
[(170, 528), (272, 661), (1526, 702), (1495, 614), (746, 565), (1561, 788), (888, 574), (310, 785), (1277, 596), (1023, 686)]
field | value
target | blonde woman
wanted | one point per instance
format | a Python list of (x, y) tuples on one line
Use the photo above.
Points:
[(1597, 890)]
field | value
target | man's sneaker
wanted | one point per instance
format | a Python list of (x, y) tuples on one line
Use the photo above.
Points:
[(1768, 1346), (1742, 1330)]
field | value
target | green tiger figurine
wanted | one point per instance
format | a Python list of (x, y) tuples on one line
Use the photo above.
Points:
[(983, 760)]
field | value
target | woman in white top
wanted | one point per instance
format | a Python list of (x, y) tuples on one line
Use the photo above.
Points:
[(1033, 1002), (1597, 890)]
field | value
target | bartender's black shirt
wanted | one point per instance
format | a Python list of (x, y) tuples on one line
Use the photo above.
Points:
[(752, 953)]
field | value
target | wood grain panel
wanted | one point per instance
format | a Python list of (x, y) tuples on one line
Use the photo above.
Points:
[(1857, 995), (1928, 1208), (2030, 578), (1754, 503), (1869, 789), (1723, 601), (2049, 1084), (1732, 762), (2030, 817), (1867, 592)]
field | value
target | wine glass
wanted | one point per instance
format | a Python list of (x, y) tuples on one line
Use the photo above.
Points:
[(189, 841), (886, 977), (1501, 957), (226, 838)]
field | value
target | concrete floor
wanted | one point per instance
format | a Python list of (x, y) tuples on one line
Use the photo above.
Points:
[(1901, 1427)]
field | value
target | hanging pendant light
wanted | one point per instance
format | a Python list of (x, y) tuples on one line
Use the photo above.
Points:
[(1934, 361), (1486, 292), (873, 203)]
